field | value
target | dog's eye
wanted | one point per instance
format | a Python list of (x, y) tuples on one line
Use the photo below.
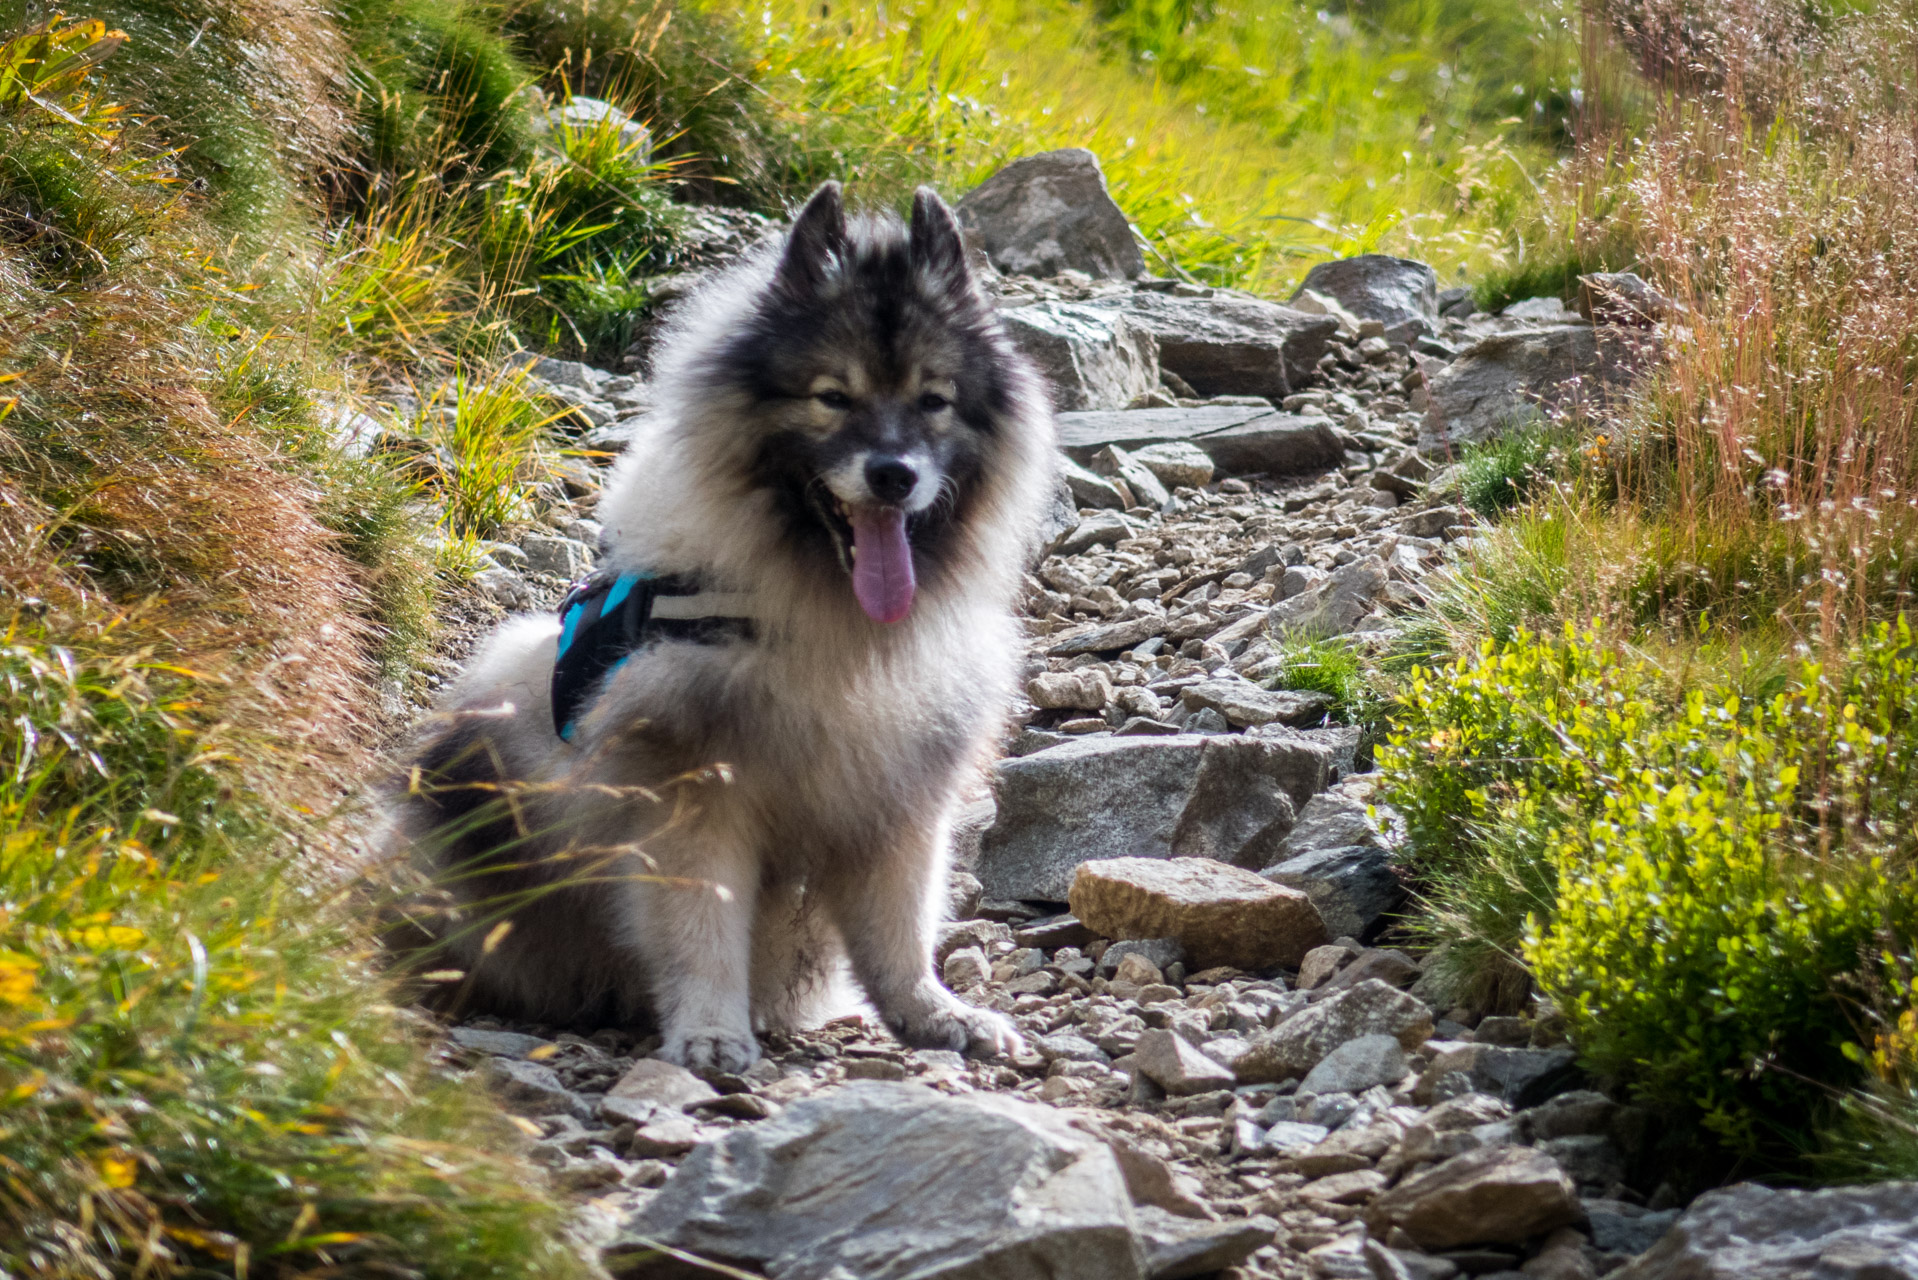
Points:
[(932, 402), (834, 399)]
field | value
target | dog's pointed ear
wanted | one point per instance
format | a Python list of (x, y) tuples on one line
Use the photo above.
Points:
[(817, 237), (938, 248)]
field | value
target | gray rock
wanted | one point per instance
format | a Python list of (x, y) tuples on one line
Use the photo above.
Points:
[(1060, 517), (1108, 637), (1243, 703), (1523, 1077), (1089, 489), (1302, 1041), (531, 1088), (1048, 213), (505, 588), (1398, 292), (1170, 1062), (886, 1181), (1239, 440), (558, 373), (1108, 527), (1159, 951), (665, 1084), (1336, 606), (1749, 1232), (963, 890), (1618, 1226), (1543, 309), (1228, 345), (1622, 297), (1394, 968), (560, 557), (1353, 886), (1512, 378), (1591, 1160), (1287, 1137), (1119, 464), (1064, 1045), (968, 828), (1154, 797), (1178, 1247), (504, 1044), (1330, 820), (1081, 435), (1496, 1195), (1177, 463), (964, 967), (1092, 358), (1357, 1065)]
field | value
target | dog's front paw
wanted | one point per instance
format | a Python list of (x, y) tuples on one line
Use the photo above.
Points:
[(710, 1049), (953, 1024)]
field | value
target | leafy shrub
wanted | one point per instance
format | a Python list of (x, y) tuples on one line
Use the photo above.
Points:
[(1713, 878)]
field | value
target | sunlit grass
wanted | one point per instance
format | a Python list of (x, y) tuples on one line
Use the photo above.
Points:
[(1289, 138)]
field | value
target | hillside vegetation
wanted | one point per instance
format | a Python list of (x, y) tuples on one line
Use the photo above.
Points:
[(220, 222)]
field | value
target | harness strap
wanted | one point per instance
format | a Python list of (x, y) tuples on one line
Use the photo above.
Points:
[(608, 617)]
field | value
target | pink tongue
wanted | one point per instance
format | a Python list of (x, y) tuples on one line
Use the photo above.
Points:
[(882, 564)]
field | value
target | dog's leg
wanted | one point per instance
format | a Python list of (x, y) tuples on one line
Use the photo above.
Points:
[(886, 914), (693, 927)]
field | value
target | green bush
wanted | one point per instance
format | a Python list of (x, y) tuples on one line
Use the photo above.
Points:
[(1714, 880), (1501, 473)]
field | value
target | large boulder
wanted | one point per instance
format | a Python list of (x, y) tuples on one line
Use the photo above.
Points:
[(1091, 358), (1508, 379), (1050, 213), (1197, 795), (887, 1181), (1220, 914), (1227, 345), (1495, 1195), (1303, 1040), (1749, 1232), (1239, 439), (1398, 292)]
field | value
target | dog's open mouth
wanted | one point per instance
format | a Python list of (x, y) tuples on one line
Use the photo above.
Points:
[(874, 545)]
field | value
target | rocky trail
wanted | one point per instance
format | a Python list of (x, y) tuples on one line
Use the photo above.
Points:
[(1175, 881)]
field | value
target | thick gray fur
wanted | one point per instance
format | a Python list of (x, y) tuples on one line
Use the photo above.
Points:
[(736, 824)]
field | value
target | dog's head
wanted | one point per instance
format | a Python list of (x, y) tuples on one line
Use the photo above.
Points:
[(876, 382)]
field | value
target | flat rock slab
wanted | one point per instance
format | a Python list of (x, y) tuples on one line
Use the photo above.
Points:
[(1048, 213), (1239, 440), (1304, 1040), (1497, 1195), (1228, 344), (1220, 914), (1749, 1232), (887, 1181), (1199, 795)]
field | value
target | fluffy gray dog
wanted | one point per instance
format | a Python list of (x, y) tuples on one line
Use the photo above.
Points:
[(729, 766)]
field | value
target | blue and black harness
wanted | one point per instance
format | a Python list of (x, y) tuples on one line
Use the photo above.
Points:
[(609, 617)]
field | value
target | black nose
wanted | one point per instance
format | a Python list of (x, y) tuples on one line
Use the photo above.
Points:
[(890, 479)]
